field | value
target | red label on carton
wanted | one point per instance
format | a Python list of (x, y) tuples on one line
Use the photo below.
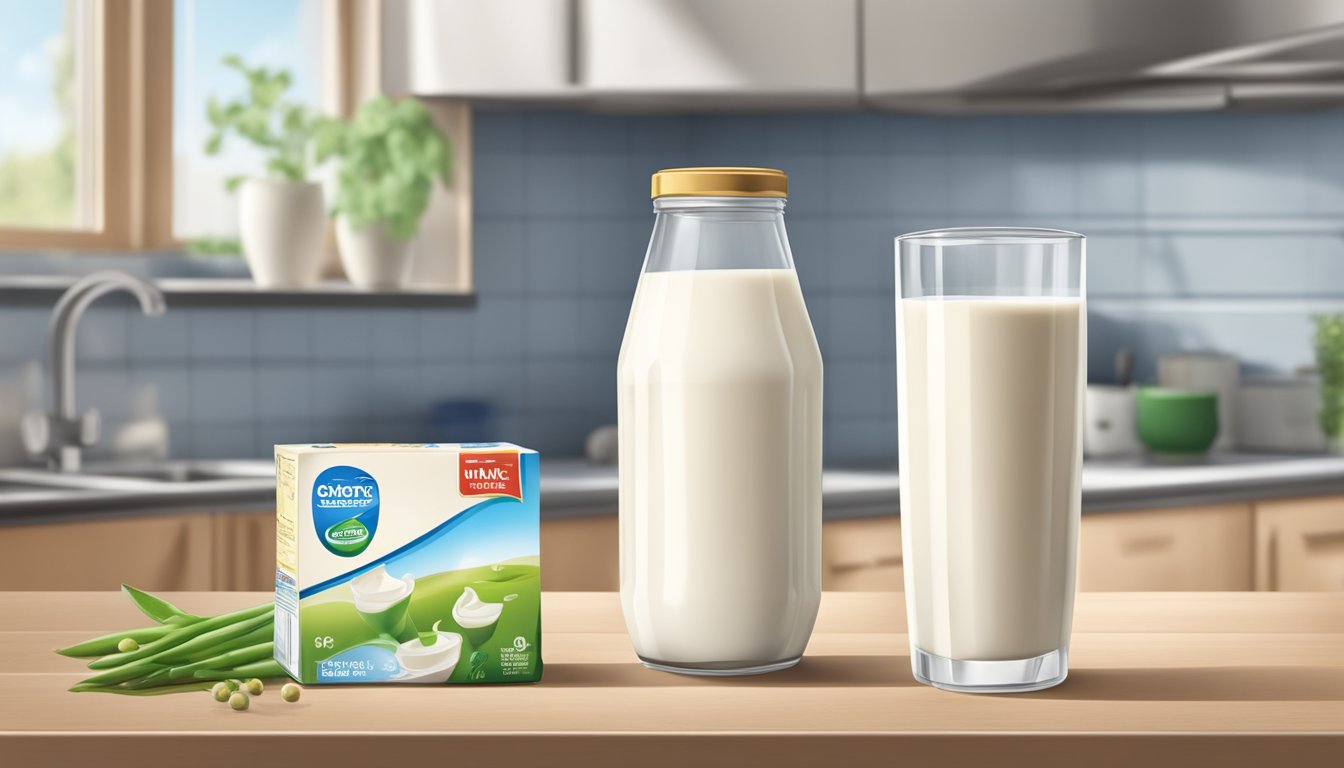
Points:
[(489, 474)]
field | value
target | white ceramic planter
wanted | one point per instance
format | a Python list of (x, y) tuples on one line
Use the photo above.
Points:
[(373, 260), (282, 225)]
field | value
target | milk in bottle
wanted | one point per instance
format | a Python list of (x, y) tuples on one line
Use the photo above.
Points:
[(719, 400)]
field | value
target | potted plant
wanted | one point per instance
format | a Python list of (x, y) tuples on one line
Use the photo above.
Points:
[(282, 221), (390, 157), (1330, 362)]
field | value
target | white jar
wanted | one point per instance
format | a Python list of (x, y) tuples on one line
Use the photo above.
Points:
[(720, 403)]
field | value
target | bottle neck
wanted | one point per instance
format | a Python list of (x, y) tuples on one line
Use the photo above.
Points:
[(690, 205), (698, 233)]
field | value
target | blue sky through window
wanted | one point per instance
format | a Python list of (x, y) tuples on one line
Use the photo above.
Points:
[(30, 40), (273, 33)]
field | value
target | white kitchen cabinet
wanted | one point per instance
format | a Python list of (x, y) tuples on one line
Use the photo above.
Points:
[(507, 49), (1177, 549), (1299, 545), (729, 52)]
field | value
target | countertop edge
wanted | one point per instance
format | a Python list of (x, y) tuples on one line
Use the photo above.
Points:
[(656, 749)]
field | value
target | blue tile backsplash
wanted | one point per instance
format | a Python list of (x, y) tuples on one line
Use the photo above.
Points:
[(1207, 232)]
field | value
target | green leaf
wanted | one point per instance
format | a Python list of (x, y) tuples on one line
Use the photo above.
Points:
[(391, 156), (155, 608), (215, 246), (1329, 342), (232, 182), (282, 129), (284, 168)]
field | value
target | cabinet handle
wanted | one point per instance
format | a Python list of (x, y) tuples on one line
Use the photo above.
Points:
[(1323, 539), (1148, 544), (879, 562)]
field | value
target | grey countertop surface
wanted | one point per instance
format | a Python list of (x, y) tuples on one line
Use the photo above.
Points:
[(572, 488)]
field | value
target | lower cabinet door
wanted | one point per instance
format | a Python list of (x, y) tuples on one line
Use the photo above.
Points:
[(1300, 545), (581, 554), (862, 555), (154, 552), (1176, 549), (244, 550)]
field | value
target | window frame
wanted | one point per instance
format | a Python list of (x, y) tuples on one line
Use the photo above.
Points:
[(132, 189)]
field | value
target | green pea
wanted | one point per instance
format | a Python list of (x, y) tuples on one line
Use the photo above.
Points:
[(127, 645), (221, 692), (255, 687), (290, 692), (239, 701)]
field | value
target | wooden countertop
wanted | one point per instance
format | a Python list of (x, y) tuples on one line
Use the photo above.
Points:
[(1158, 678)]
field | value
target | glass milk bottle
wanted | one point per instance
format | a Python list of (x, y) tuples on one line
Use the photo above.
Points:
[(720, 433)]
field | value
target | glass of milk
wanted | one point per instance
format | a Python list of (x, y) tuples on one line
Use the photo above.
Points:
[(719, 411), (991, 349)]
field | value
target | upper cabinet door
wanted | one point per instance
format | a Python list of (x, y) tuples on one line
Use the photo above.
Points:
[(508, 49), (680, 53)]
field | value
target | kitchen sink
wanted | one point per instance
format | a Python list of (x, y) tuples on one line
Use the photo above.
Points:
[(185, 471), (137, 476)]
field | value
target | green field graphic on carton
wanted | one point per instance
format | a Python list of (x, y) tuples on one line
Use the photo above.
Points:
[(332, 615)]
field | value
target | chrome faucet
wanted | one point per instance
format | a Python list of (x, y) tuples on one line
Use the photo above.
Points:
[(60, 435)]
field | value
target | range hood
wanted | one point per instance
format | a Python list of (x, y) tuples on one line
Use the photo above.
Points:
[(1102, 55)]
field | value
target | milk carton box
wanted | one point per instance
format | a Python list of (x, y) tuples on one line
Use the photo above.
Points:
[(408, 563)]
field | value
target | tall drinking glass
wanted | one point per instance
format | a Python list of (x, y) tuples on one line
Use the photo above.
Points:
[(991, 343)]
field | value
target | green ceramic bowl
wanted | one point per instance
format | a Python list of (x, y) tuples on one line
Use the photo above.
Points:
[(1179, 421)]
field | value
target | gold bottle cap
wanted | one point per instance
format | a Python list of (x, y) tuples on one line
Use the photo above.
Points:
[(720, 182)]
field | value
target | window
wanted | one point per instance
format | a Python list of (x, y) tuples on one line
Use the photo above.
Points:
[(276, 34), (49, 108), (87, 137), (103, 104), (80, 121)]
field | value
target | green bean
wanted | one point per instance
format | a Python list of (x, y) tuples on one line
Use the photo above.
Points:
[(153, 679), (124, 673), (261, 634), (107, 644), (185, 634), (258, 636), (259, 669), (197, 686), (181, 652), (211, 640), (256, 653), (228, 660)]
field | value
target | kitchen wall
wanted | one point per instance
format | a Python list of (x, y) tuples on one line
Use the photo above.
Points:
[(1219, 232)]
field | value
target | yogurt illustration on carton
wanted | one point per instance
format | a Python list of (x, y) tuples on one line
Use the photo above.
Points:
[(408, 563)]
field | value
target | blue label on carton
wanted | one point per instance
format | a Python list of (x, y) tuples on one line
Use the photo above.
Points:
[(345, 510)]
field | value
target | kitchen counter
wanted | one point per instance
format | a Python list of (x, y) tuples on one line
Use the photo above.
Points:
[(1222, 679), (573, 488)]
